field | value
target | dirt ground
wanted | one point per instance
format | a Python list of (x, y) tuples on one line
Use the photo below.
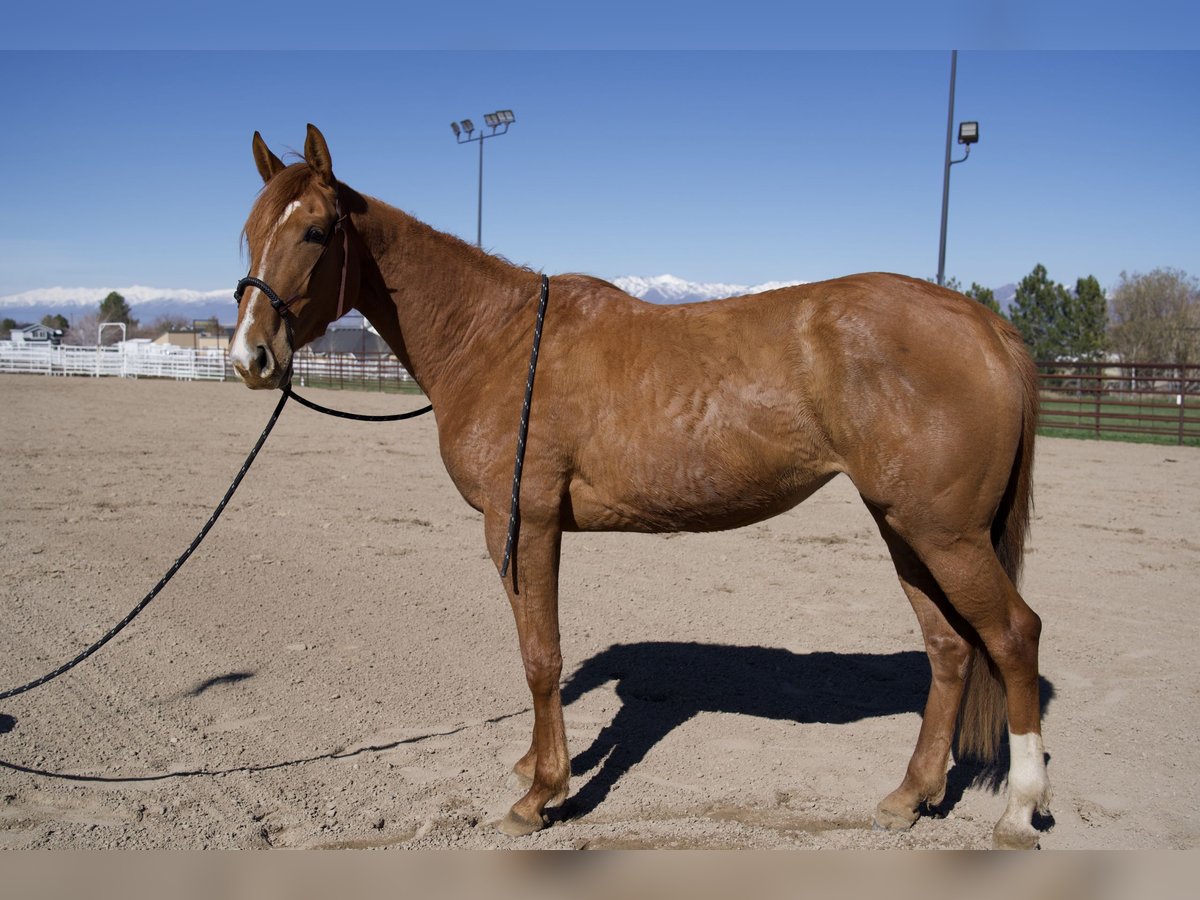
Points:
[(337, 666)]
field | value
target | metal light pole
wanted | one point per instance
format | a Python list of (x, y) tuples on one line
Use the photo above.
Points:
[(968, 134), (464, 133)]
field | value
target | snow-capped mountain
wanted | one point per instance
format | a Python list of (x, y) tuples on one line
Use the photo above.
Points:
[(146, 303), (671, 289)]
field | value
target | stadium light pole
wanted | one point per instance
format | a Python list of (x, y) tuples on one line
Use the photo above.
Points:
[(464, 133), (968, 134)]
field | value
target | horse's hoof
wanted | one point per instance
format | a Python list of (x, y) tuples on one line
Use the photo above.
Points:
[(515, 825), (1007, 837), (892, 820)]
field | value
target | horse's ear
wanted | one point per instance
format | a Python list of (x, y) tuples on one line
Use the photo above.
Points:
[(269, 165), (316, 152)]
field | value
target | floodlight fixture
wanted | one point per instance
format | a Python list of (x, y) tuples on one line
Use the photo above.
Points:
[(968, 134), (464, 133)]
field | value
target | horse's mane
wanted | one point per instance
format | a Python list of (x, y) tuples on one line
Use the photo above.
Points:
[(291, 183)]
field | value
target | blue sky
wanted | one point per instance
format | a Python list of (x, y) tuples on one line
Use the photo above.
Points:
[(125, 167)]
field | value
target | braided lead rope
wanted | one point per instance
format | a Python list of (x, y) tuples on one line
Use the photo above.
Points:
[(523, 429), (358, 417), (212, 520), (162, 582)]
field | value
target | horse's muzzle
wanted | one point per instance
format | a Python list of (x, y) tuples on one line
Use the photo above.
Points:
[(259, 367)]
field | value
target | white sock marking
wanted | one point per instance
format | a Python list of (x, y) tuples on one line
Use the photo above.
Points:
[(1028, 786)]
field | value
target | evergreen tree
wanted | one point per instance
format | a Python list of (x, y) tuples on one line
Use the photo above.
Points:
[(976, 291), (1084, 323), (113, 308), (58, 321), (983, 295), (1038, 310)]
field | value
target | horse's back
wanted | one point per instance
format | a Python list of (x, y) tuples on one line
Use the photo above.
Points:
[(848, 354)]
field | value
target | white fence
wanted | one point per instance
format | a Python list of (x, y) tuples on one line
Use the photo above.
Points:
[(130, 359), (133, 359)]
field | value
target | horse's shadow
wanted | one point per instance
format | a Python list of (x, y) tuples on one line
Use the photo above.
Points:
[(664, 684)]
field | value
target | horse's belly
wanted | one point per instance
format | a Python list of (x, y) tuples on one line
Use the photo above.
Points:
[(688, 499), (731, 451)]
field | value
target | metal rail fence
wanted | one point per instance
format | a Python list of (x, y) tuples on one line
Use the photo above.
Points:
[(1155, 401), (364, 371)]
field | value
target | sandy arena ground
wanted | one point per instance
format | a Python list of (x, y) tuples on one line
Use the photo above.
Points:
[(337, 667)]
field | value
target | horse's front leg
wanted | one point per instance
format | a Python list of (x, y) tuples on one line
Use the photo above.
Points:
[(532, 587)]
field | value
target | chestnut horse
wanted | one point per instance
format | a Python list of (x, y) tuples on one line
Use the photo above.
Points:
[(696, 417)]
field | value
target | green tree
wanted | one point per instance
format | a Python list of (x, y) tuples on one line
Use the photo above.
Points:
[(1037, 311), (983, 295), (1084, 323), (976, 292), (56, 321), (113, 308), (1058, 323), (7, 325)]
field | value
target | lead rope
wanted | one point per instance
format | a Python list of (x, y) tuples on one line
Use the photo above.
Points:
[(212, 520), (162, 582), (358, 417), (514, 510)]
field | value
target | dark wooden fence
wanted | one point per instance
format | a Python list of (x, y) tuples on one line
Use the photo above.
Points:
[(364, 371), (1147, 401)]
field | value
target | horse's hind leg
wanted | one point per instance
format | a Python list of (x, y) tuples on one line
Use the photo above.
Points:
[(973, 580), (949, 652), (534, 601)]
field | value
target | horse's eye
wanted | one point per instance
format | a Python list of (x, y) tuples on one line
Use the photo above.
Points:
[(314, 235)]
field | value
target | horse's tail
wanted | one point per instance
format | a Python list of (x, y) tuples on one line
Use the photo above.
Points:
[(983, 717)]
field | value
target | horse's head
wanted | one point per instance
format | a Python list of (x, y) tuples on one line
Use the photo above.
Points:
[(300, 257)]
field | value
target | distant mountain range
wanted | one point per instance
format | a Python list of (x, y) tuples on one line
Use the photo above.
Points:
[(670, 289), (148, 303)]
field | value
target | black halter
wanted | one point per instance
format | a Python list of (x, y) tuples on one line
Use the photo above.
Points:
[(282, 306)]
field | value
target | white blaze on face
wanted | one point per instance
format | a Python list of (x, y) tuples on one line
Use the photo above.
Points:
[(241, 353)]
